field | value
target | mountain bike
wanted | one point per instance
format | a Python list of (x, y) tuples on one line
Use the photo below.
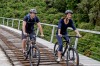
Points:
[(70, 53), (32, 51)]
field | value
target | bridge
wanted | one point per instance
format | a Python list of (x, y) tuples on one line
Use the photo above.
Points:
[(10, 45)]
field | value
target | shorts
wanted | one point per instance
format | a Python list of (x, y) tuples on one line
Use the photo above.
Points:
[(32, 35)]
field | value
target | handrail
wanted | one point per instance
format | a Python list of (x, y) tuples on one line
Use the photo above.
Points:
[(83, 30), (51, 25)]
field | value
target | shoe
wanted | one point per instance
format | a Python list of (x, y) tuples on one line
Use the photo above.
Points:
[(58, 60), (24, 53)]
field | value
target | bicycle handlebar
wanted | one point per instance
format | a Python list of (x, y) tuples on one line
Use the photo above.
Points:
[(28, 35), (71, 36)]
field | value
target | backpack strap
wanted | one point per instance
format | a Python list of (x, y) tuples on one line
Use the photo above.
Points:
[(35, 18), (28, 17)]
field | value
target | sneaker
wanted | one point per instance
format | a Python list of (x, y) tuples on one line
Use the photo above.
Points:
[(58, 60), (24, 53)]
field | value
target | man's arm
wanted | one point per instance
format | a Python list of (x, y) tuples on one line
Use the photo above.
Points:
[(40, 28), (23, 27)]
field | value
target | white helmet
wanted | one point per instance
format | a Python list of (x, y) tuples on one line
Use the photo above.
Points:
[(68, 11), (33, 11)]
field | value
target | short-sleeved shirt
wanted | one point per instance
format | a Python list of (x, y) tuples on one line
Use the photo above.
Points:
[(63, 26), (30, 23)]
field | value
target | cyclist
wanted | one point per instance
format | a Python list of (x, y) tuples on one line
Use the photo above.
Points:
[(63, 24), (28, 26)]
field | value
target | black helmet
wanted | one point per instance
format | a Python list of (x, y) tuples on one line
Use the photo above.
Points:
[(33, 11), (68, 11)]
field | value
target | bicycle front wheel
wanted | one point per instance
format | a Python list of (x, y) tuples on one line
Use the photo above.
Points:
[(56, 47), (72, 57), (35, 55)]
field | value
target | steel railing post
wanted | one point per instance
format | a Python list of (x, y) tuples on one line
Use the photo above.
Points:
[(52, 35), (3, 20), (19, 25), (76, 42), (12, 23)]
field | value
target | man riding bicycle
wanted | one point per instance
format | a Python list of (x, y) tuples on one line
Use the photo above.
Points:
[(28, 27), (64, 23)]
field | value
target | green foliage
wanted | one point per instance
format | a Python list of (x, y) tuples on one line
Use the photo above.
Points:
[(86, 16), (92, 10), (86, 26), (97, 28), (72, 4), (60, 5)]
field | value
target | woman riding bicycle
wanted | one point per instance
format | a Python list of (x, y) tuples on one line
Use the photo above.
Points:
[(63, 24)]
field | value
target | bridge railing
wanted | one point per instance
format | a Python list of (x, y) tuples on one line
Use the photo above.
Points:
[(17, 23)]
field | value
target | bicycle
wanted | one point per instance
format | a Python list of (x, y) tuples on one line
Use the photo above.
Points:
[(32, 51), (69, 50)]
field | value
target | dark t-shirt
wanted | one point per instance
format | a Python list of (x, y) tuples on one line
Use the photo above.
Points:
[(30, 23), (63, 26)]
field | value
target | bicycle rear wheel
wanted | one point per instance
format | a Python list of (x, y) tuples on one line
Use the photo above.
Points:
[(35, 55), (72, 57)]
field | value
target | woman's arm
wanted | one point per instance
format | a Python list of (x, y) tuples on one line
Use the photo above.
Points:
[(74, 28), (77, 32), (59, 28)]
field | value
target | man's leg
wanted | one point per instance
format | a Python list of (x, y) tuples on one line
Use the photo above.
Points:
[(23, 42), (23, 45)]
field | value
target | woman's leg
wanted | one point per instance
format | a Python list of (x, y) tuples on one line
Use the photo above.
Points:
[(66, 38), (60, 47)]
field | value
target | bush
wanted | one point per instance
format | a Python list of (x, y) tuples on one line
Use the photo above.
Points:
[(86, 26), (60, 5), (97, 28), (52, 11)]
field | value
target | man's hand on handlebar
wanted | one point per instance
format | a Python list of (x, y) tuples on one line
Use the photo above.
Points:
[(25, 34)]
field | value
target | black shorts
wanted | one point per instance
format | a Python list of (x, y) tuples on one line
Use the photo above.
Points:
[(32, 35)]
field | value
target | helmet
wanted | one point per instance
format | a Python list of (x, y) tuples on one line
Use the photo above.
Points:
[(33, 11), (68, 11)]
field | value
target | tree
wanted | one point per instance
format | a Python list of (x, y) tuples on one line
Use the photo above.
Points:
[(90, 9), (94, 13), (60, 5)]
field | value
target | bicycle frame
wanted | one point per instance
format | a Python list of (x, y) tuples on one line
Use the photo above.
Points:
[(68, 45), (30, 45)]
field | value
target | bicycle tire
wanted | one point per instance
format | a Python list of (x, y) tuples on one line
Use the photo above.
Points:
[(55, 51), (35, 55), (26, 54), (71, 53)]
